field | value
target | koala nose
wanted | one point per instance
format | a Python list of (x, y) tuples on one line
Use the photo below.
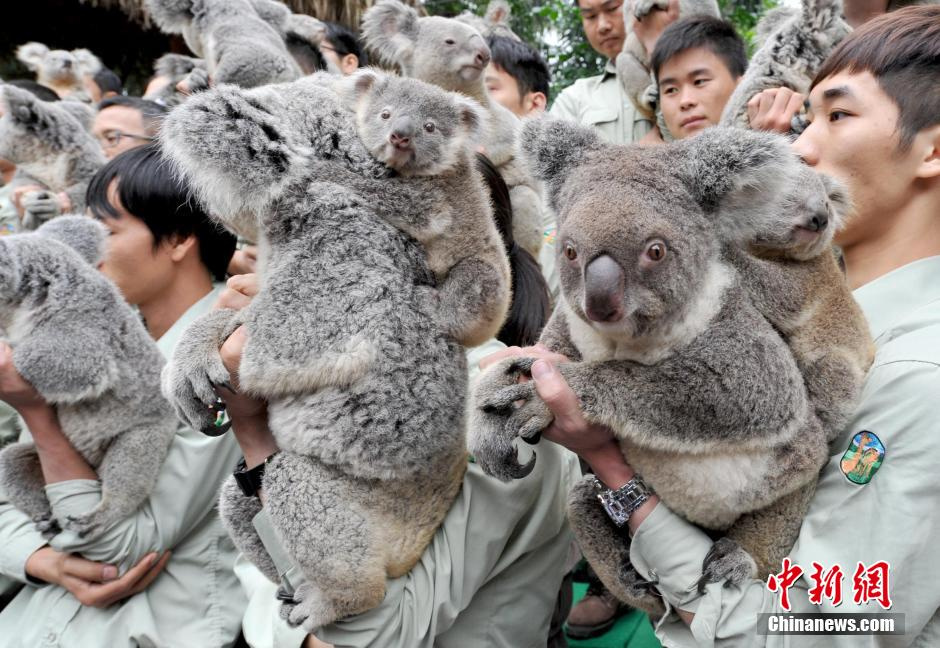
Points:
[(66, 63), (402, 132), (483, 57), (818, 222), (399, 138), (603, 290)]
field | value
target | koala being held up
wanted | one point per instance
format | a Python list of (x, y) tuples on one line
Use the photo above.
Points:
[(60, 70), (668, 349), (83, 348)]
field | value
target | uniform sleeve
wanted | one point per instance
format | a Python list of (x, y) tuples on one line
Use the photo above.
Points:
[(890, 518), (19, 539), (185, 493)]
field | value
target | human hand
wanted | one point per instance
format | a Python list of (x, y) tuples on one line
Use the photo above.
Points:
[(773, 109), (16, 390), (18, 193), (239, 291), (313, 642), (92, 583), (650, 26), (243, 261)]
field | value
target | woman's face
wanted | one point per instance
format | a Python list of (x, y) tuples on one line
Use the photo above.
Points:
[(139, 269)]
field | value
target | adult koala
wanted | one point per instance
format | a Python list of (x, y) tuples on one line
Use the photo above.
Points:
[(239, 45), (77, 341), (48, 144), (453, 55), (60, 70), (667, 348), (365, 389)]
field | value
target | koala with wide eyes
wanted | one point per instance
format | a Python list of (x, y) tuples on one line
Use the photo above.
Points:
[(60, 70), (667, 347)]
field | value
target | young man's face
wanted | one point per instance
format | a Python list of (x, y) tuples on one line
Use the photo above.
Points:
[(603, 25), (853, 137), (503, 88), (694, 87), (123, 120)]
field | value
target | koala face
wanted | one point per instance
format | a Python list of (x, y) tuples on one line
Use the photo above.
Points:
[(60, 66), (413, 127), (448, 47)]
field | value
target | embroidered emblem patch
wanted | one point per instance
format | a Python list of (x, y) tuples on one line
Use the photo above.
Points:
[(549, 236), (863, 458)]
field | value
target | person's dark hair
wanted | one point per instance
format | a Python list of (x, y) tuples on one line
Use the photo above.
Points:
[(151, 112), (531, 303), (344, 41), (901, 50), (306, 55), (108, 81), (148, 189), (713, 34), (522, 62), (41, 91)]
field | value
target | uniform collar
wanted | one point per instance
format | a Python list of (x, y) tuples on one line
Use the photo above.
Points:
[(609, 70), (890, 301)]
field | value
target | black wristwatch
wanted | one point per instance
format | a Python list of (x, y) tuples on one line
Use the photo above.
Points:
[(250, 480)]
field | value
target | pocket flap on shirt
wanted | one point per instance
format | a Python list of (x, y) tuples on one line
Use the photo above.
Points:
[(599, 116)]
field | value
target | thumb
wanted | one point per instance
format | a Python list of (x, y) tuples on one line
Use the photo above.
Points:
[(552, 388)]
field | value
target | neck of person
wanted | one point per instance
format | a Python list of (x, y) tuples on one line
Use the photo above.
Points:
[(189, 284), (913, 233), (858, 11)]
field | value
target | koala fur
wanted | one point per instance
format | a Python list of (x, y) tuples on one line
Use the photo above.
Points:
[(454, 55), (365, 389), (176, 68), (494, 22), (790, 55), (48, 144), (60, 70), (83, 348), (633, 62), (669, 352), (238, 45)]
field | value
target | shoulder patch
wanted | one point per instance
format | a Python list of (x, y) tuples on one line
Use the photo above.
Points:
[(863, 457)]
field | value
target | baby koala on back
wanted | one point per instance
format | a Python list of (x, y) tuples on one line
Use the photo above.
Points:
[(83, 348)]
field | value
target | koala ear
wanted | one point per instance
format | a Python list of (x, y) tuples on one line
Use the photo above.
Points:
[(390, 28), (471, 117), (20, 105), (83, 234), (360, 84), (32, 54), (81, 111), (87, 62), (498, 12), (551, 148)]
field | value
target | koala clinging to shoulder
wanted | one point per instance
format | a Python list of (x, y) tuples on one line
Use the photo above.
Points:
[(667, 348)]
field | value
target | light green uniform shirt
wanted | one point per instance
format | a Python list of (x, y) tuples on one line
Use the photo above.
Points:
[(894, 517), (9, 221), (196, 601)]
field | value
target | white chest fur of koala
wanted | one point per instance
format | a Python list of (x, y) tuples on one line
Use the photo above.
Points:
[(77, 341), (453, 55)]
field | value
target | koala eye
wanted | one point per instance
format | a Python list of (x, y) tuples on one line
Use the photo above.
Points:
[(385, 114), (655, 251), (570, 253), (430, 127), (450, 41)]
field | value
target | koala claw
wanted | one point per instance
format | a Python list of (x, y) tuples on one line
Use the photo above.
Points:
[(503, 401), (83, 524), (726, 561), (47, 526)]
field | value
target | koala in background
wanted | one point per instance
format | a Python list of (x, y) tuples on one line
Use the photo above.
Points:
[(238, 45), (366, 391), (48, 144), (60, 70), (494, 22), (790, 54), (633, 62), (83, 348), (667, 348), (454, 56)]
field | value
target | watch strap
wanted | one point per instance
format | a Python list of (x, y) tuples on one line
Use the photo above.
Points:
[(249, 481), (621, 503)]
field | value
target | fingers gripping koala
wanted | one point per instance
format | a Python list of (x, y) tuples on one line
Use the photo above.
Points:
[(48, 144), (361, 380), (633, 62), (453, 55), (76, 340), (670, 352)]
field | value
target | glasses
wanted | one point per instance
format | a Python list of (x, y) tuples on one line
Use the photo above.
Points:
[(112, 139)]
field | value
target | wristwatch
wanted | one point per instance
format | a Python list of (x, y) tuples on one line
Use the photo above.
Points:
[(249, 481), (620, 504)]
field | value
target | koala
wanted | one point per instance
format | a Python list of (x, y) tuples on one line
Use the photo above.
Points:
[(176, 68), (667, 348), (454, 55), (60, 70), (790, 55), (48, 144), (238, 45), (83, 348), (366, 390), (633, 62), (494, 22)]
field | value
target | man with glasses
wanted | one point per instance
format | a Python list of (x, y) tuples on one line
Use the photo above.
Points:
[(123, 123)]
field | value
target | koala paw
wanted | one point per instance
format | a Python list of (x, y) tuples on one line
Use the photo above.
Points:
[(643, 7), (84, 524), (726, 561), (47, 526), (307, 608), (649, 99), (196, 81)]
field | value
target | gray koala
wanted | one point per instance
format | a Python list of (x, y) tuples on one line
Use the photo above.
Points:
[(365, 388), (494, 22), (176, 68), (454, 55), (238, 45), (633, 62), (668, 349), (60, 70), (48, 144), (789, 55), (83, 348)]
